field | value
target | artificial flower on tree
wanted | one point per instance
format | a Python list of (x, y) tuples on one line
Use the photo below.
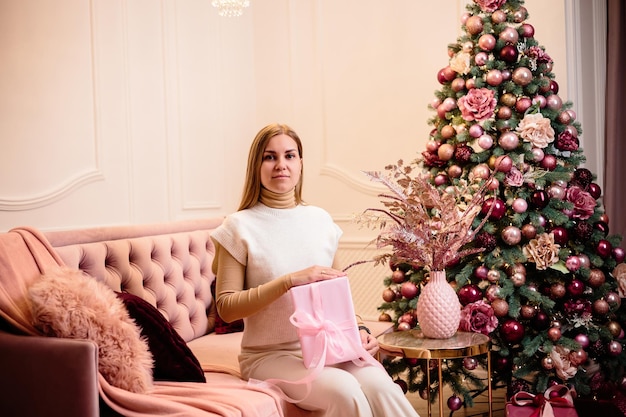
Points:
[(543, 277)]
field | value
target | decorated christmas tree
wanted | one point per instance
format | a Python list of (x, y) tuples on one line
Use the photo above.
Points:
[(547, 281)]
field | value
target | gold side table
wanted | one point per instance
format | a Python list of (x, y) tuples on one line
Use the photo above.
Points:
[(413, 344)]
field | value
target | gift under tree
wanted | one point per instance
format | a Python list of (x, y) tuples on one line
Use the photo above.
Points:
[(543, 277)]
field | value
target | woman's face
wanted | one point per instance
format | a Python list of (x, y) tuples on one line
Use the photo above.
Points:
[(282, 166)]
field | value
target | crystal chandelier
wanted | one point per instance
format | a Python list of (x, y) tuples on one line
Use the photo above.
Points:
[(230, 8)]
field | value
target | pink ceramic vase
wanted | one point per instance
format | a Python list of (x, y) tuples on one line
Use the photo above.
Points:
[(438, 308)]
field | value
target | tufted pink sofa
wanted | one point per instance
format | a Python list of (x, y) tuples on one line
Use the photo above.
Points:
[(168, 265)]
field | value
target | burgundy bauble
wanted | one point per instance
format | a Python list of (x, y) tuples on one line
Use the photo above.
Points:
[(470, 363), (540, 199), (528, 31), (615, 348), (576, 287), (512, 331), (509, 53), (541, 321), (618, 255), (561, 235), (499, 208), (469, 293), (595, 190), (523, 103), (604, 248), (481, 272), (454, 403), (602, 226), (409, 290)]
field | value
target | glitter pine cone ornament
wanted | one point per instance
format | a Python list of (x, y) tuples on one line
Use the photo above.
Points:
[(550, 271)]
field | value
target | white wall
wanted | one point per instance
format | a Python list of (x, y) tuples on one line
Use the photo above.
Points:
[(134, 111)]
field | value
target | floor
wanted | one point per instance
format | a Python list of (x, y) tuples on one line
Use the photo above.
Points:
[(480, 409)]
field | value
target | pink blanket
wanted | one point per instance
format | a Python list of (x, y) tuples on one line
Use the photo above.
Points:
[(26, 254)]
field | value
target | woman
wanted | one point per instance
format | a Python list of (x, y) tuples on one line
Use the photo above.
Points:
[(275, 242)]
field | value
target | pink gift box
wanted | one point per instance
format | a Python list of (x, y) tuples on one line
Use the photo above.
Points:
[(526, 411), (326, 323)]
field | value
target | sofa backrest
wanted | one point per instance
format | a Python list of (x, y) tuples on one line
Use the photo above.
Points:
[(168, 265)]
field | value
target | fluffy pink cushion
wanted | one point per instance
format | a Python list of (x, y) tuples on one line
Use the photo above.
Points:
[(69, 304)]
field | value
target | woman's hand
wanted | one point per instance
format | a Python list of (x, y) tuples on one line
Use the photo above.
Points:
[(313, 274), (369, 342)]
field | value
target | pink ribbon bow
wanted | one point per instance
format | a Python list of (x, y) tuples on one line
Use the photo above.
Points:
[(556, 395)]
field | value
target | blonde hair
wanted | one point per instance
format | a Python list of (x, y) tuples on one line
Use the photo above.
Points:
[(252, 185)]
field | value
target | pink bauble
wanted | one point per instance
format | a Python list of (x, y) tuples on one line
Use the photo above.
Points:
[(548, 162), (528, 311), (389, 295), (511, 235), (435, 102), (455, 171), (572, 114), (409, 290), (485, 142), (468, 46), (498, 16), (449, 104), (481, 171), (554, 102), (441, 112), (541, 100), (493, 276), (493, 184), (445, 151), (474, 25), (487, 42), (432, 145), (615, 348), (440, 180), (398, 276), (584, 260), (523, 103), (505, 113), (583, 340), (571, 130), (471, 83), (522, 76), (613, 299), (506, 74), (572, 263), (458, 84), (601, 307), (528, 31), (476, 131), (509, 141), (509, 35), (556, 192), (500, 307), (480, 59), (519, 205), (520, 14), (538, 154), (518, 279), (503, 163), (492, 292), (494, 77), (578, 357), (541, 221), (554, 334), (564, 117), (403, 326)]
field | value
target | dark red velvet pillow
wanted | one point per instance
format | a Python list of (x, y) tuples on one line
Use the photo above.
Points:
[(222, 327), (173, 360)]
